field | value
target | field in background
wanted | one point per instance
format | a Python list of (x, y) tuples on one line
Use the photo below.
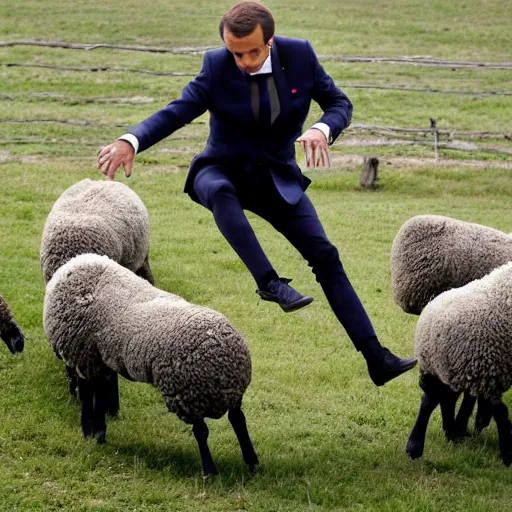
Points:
[(327, 438)]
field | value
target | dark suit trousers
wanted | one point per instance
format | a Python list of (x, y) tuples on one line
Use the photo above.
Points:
[(227, 195)]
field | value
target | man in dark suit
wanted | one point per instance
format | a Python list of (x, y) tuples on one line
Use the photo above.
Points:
[(258, 89)]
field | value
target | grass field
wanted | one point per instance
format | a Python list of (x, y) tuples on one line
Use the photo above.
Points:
[(328, 440)]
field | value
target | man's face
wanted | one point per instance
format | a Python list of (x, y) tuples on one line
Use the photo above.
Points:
[(250, 52)]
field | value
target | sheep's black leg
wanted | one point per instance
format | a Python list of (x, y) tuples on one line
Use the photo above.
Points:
[(429, 401), (86, 394), (100, 407), (448, 402), (72, 380), (237, 419), (200, 430), (484, 414), (500, 414), (145, 272), (462, 419), (112, 393)]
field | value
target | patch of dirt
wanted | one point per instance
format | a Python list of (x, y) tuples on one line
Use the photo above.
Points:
[(355, 162)]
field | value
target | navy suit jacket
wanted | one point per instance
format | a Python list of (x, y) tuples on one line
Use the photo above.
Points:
[(237, 142)]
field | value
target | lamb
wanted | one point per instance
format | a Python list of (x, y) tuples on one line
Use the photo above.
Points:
[(102, 217), (431, 254), (463, 342), (97, 216), (9, 330), (103, 320)]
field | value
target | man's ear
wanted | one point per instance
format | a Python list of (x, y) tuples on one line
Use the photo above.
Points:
[(270, 41)]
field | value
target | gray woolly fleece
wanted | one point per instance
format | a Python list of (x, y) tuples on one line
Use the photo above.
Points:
[(96, 216), (97, 314), (464, 336), (431, 254)]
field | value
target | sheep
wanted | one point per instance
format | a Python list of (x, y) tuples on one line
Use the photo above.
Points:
[(431, 254), (102, 217), (103, 320), (9, 330), (97, 216), (463, 341)]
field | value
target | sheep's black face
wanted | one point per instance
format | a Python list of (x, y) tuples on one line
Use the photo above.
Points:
[(13, 338)]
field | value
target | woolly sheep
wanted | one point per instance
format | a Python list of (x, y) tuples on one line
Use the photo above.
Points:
[(102, 217), (463, 342), (9, 330), (97, 216), (102, 319), (431, 254)]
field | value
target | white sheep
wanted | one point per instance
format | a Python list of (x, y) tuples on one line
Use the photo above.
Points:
[(97, 216), (463, 342), (102, 217), (9, 330), (431, 254), (103, 320)]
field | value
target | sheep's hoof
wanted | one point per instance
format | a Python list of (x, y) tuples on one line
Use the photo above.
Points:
[(506, 458), (415, 451), (101, 437), (87, 430), (253, 468), (210, 474)]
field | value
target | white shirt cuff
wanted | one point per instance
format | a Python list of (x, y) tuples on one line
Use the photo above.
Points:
[(324, 129), (132, 140)]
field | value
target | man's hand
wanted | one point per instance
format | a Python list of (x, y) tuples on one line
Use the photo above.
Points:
[(316, 149), (111, 157)]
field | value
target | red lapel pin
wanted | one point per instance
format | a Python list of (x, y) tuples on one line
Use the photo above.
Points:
[(294, 91)]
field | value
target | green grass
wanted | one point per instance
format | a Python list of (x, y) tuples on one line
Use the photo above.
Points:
[(327, 438)]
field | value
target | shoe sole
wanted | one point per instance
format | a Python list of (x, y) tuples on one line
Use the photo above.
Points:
[(397, 373), (297, 305), (288, 308)]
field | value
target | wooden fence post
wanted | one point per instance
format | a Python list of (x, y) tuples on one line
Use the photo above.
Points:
[(433, 127), (369, 177)]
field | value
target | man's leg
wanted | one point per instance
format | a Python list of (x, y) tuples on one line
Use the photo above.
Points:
[(217, 193), (300, 225)]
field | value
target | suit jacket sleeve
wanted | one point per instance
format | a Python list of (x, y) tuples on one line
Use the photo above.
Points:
[(194, 101), (334, 102)]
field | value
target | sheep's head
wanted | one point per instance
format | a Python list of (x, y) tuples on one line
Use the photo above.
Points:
[(9, 330)]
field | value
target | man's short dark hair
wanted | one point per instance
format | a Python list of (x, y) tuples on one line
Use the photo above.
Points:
[(243, 18)]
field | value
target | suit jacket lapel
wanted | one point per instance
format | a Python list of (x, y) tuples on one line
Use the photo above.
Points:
[(278, 72)]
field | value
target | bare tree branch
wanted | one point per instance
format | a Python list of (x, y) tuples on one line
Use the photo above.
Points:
[(406, 88), (88, 46), (390, 130), (413, 60), (100, 68), (419, 61)]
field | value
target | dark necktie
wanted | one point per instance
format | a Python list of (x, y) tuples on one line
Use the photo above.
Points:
[(264, 99)]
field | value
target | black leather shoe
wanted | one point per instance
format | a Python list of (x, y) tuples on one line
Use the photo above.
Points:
[(388, 367), (278, 290)]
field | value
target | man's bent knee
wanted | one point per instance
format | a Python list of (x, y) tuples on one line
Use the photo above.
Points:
[(207, 187)]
